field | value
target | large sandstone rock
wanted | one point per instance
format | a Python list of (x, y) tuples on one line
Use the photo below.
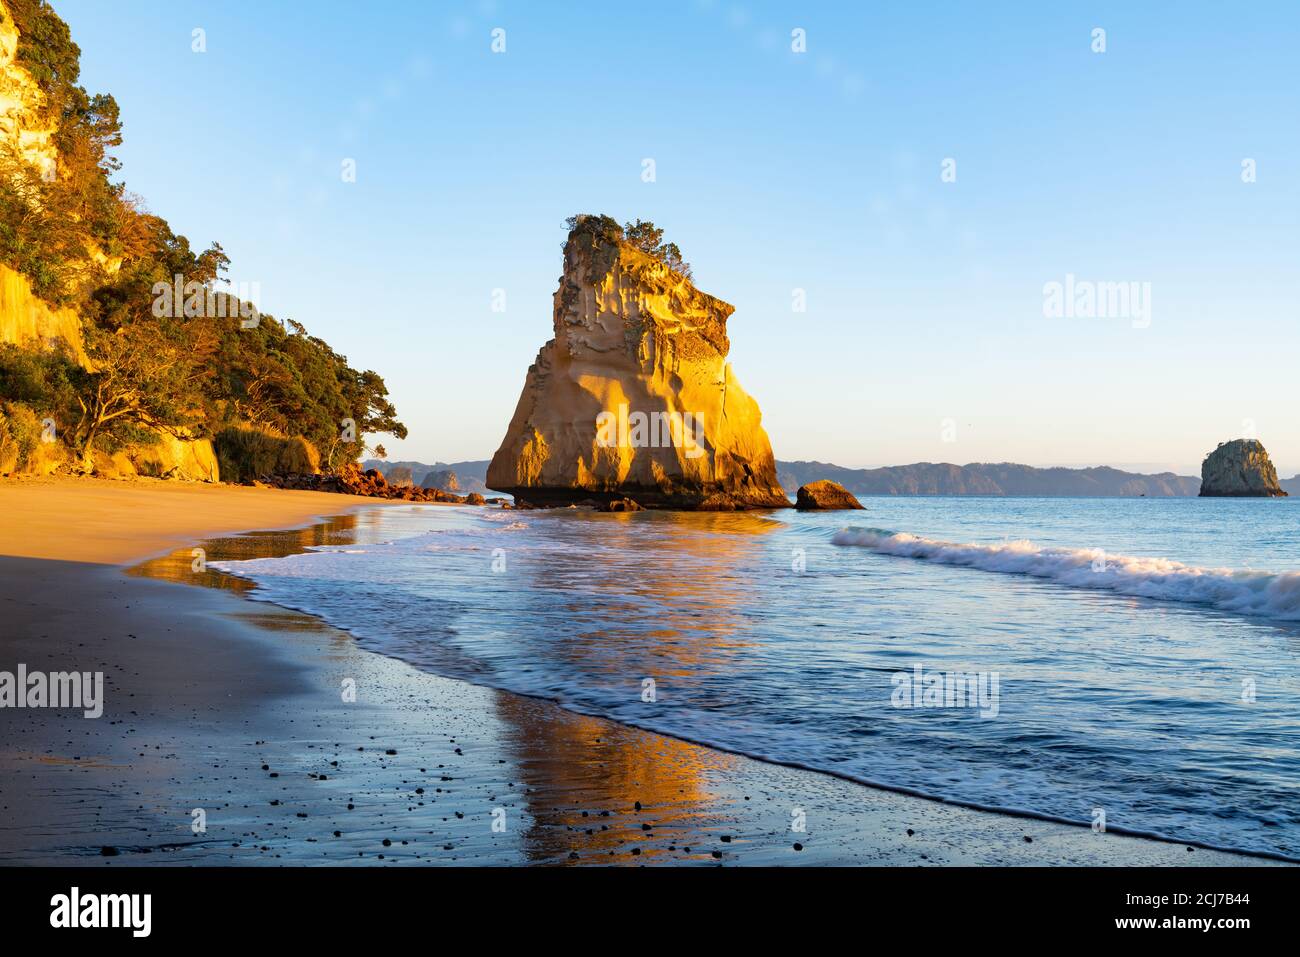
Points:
[(824, 494), (634, 396), (1239, 469)]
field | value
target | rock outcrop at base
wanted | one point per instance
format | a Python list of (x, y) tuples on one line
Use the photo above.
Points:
[(1239, 469), (634, 397), (824, 495), (351, 480)]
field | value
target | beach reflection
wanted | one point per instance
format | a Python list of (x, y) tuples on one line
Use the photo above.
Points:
[(584, 778), (186, 566)]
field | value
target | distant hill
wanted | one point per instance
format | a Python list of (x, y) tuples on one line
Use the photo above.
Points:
[(1291, 486), (1004, 478), (470, 476), (923, 478)]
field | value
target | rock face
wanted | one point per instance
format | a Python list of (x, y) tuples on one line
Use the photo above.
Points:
[(28, 321), (824, 494), (634, 397), (21, 128), (444, 480), (1239, 469)]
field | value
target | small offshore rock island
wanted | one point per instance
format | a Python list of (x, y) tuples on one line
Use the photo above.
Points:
[(635, 342), (1240, 469)]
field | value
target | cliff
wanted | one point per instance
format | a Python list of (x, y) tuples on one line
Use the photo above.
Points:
[(1239, 469), (634, 396), (24, 129), (26, 320)]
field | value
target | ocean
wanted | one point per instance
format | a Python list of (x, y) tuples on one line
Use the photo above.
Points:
[(1126, 664)]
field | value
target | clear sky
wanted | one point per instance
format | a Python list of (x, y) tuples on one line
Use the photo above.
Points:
[(924, 336)]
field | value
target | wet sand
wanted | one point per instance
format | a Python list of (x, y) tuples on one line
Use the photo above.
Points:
[(237, 709)]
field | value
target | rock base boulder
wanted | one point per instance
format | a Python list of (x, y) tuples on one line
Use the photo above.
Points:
[(824, 495)]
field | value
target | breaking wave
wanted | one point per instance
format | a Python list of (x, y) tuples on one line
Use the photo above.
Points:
[(1243, 591)]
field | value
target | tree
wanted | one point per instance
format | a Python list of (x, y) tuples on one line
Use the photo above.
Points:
[(645, 236), (146, 373)]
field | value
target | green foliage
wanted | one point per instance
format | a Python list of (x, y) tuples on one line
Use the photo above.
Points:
[(246, 454), (45, 48), (590, 231), (20, 436), (46, 381)]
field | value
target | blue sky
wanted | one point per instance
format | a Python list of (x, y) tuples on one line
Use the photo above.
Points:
[(924, 336)]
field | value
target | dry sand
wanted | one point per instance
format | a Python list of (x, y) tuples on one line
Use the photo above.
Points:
[(235, 708)]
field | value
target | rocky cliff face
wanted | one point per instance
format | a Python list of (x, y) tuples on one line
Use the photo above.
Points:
[(1239, 469), (21, 104), (27, 320), (634, 396)]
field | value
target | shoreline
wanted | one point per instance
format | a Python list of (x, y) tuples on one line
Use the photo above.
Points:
[(251, 701)]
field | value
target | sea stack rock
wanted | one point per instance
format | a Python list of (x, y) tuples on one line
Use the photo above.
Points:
[(1239, 469), (634, 397), (826, 495)]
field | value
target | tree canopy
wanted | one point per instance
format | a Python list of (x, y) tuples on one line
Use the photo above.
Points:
[(644, 235)]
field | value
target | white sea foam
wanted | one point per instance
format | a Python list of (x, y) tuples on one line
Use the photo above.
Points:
[(1244, 591)]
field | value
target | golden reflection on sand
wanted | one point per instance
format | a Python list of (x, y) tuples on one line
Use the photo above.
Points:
[(578, 764), (188, 568)]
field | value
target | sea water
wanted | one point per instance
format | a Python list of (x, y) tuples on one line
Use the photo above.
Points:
[(1139, 658)]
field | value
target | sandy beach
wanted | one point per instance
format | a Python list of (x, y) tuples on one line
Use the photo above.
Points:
[(234, 714)]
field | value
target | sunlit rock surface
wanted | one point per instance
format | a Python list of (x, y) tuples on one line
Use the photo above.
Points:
[(634, 396)]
